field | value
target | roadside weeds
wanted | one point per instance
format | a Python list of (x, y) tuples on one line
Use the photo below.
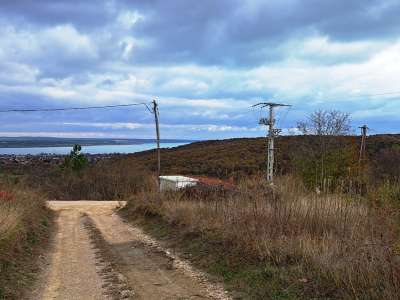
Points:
[(26, 227), (284, 243)]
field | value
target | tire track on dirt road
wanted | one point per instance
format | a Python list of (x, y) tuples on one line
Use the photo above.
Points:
[(71, 269), (96, 255)]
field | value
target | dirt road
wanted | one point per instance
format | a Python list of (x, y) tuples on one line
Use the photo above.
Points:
[(96, 255)]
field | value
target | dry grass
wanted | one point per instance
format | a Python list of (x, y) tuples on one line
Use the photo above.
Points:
[(23, 225), (340, 244), (101, 181)]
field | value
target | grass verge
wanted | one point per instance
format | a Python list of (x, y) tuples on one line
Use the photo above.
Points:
[(244, 278), (25, 224), (281, 243)]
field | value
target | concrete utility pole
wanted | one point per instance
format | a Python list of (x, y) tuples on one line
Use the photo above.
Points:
[(272, 132), (364, 130), (156, 118)]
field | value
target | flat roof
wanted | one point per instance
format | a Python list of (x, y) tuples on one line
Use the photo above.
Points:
[(179, 178)]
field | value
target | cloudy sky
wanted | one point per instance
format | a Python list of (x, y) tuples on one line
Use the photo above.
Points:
[(205, 61)]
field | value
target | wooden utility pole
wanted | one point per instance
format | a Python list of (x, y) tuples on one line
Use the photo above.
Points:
[(156, 118), (272, 132), (364, 130), (361, 159)]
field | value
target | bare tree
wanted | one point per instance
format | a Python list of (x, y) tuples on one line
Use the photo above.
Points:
[(326, 122)]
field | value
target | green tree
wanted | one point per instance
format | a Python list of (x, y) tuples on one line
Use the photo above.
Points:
[(76, 161)]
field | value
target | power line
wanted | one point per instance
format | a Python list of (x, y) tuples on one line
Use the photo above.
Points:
[(154, 110), (72, 108)]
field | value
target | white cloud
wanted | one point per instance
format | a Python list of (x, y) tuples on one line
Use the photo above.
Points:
[(295, 79), (17, 44), (67, 40), (187, 127), (17, 73), (320, 47), (127, 45), (194, 86), (211, 114), (128, 19), (38, 48), (130, 126), (290, 80)]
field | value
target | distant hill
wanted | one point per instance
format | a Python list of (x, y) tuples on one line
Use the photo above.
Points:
[(225, 158), (28, 142)]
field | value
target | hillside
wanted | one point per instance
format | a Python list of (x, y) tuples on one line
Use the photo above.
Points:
[(233, 157), (334, 165)]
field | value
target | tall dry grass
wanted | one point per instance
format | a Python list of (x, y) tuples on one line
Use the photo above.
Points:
[(24, 221), (345, 245), (101, 181)]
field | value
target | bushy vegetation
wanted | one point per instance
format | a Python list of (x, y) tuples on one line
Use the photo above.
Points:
[(330, 246), (24, 225), (102, 181)]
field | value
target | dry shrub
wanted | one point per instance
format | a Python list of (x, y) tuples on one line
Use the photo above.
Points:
[(24, 222), (348, 246), (19, 212), (101, 181)]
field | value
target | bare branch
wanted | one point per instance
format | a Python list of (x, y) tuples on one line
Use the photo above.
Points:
[(326, 122)]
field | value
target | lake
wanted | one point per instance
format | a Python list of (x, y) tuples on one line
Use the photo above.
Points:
[(102, 149)]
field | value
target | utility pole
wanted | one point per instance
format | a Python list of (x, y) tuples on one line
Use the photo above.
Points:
[(364, 130), (156, 118), (272, 133), (361, 160)]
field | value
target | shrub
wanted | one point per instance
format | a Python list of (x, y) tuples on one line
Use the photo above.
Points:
[(345, 246), (24, 221)]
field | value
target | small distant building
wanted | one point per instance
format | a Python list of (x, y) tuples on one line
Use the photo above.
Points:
[(174, 183)]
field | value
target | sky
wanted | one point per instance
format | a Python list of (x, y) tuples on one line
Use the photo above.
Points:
[(206, 62)]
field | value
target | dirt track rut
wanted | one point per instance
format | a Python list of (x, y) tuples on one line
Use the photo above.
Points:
[(96, 255)]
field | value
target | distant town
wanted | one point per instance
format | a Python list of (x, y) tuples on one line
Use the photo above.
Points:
[(28, 142), (12, 160)]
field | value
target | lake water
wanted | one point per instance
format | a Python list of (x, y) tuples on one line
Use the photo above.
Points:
[(102, 149)]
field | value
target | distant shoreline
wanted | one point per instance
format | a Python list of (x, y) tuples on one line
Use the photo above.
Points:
[(89, 150), (36, 142)]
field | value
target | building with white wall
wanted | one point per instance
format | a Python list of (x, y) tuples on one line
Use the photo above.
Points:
[(174, 183)]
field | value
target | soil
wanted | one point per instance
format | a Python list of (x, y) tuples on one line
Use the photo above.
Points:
[(96, 255)]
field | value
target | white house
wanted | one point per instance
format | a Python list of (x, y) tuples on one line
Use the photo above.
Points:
[(174, 183)]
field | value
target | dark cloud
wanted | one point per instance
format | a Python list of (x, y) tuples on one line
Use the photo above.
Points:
[(363, 20), (232, 33), (241, 33), (81, 13)]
